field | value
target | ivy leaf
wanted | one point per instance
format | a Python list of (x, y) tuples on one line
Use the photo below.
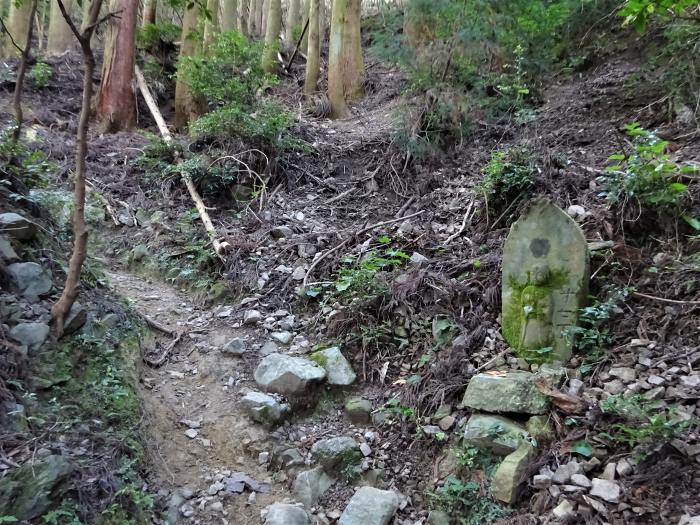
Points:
[(693, 221), (582, 448)]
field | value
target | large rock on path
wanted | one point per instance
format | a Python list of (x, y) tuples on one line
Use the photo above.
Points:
[(370, 506), (30, 279), (498, 434), (264, 408), (31, 335), (338, 369), (285, 514), (310, 485), (286, 374), (336, 454), (505, 392), (17, 227)]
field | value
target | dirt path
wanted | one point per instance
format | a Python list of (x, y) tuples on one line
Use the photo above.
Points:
[(200, 385)]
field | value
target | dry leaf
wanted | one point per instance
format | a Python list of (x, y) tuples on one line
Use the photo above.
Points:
[(565, 402)]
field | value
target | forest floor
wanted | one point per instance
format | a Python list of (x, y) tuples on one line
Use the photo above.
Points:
[(355, 179)]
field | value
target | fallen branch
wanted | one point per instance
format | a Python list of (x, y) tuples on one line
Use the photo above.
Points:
[(663, 299), (340, 196), (339, 246), (461, 229), (155, 324), (296, 48), (220, 247), (161, 359)]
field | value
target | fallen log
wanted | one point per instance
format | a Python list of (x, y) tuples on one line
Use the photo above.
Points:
[(220, 247)]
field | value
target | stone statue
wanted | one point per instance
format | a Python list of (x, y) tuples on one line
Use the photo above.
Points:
[(545, 282)]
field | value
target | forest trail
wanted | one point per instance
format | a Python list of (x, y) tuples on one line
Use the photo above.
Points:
[(196, 389)]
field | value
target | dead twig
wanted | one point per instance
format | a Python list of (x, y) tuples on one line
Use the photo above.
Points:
[(161, 359), (663, 299), (461, 229)]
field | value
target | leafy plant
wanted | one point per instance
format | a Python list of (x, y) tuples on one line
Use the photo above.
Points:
[(152, 35), (41, 73), (641, 421), (647, 173), (638, 13), (509, 173), (474, 458), (394, 406), (466, 502), (359, 277)]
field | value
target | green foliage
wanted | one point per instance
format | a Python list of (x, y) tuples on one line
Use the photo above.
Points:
[(359, 278), (474, 458), (465, 502), (638, 13), (65, 514), (41, 74), (152, 35), (31, 166), (647, 173), (394, 406), (508, 174), (641, 421)]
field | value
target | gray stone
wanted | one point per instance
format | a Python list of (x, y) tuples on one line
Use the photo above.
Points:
[(18, 227), (438, 517), (310, 485), (284, 337), (235, 346), (138, 253), (358, 410), (498, 434), (624, 467), (511, 473), (191, 433), (418, 259), (336, 454), (7, 252), (370, 506), (268, 348), (285, 514), (289, 457), (581, 480), (606, 490), (564, 511), (279, 232), (287, 374), (30, 279), (264, 409), (30, 490), (505, 392), (545, 281), (541, 481), (252, 317), (76, 319), (338, 369), (564, 472), (624, 373), (31, 335)]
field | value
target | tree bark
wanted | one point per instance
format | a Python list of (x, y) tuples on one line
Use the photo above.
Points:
[(243, 16), (305, 9), (60, 309), (252, 6), (187, 106), (259, 5), (150, 9), (272, 33), (211, 24), (18, 24), (313, 50), (86, 15), (263, 17), (116, 103), (60, 38), (345, 63), (291, 23), (229, 15), (21, 73)]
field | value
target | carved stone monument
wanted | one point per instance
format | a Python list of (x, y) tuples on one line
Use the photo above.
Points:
[(545, 282)]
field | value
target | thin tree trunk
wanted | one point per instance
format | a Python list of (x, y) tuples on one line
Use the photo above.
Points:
[(259, 5), (263, 18), (60, 309), (21, 72), (86, 15), (345, 63), (313, 50), (291, 23), (116, 104), (304, 16), (150, 10), (272, 34), (61, 38), (211, 24), (252, 5), (187, 106), (244, 8), (229, 15), (20, 18)]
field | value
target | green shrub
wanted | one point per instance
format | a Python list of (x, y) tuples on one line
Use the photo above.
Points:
[(151, 36), (465, 502), (638, 13), (509, 173), (41, 74), (647, 173)]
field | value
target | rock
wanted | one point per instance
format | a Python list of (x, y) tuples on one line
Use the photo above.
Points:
[(17, 227), (370, 506), (268, 348), (336, 454), (446, 423), (565, 511), (545, 281), (564, 472), (30, 279), (284, 337), (31, 335), (215, 488), (580, 480), (310, 485), (498, 434), (30, 490), (285, 514), (577, 212), (540, 481), (299, 273), (624, 373), (76, 319), (606, 490), (507, 392), (614, 387), (365, 449), (358, 410), (575, 387), (287, 374), (278, 232), (609, 472), (686, 519), (338, 369), (252, 317), (264, 409), (191, 433), (511, 473), (624, 467), (539, 428), (7, 252), (236, 347), (289, 457), (438, 517), (418, 259)]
